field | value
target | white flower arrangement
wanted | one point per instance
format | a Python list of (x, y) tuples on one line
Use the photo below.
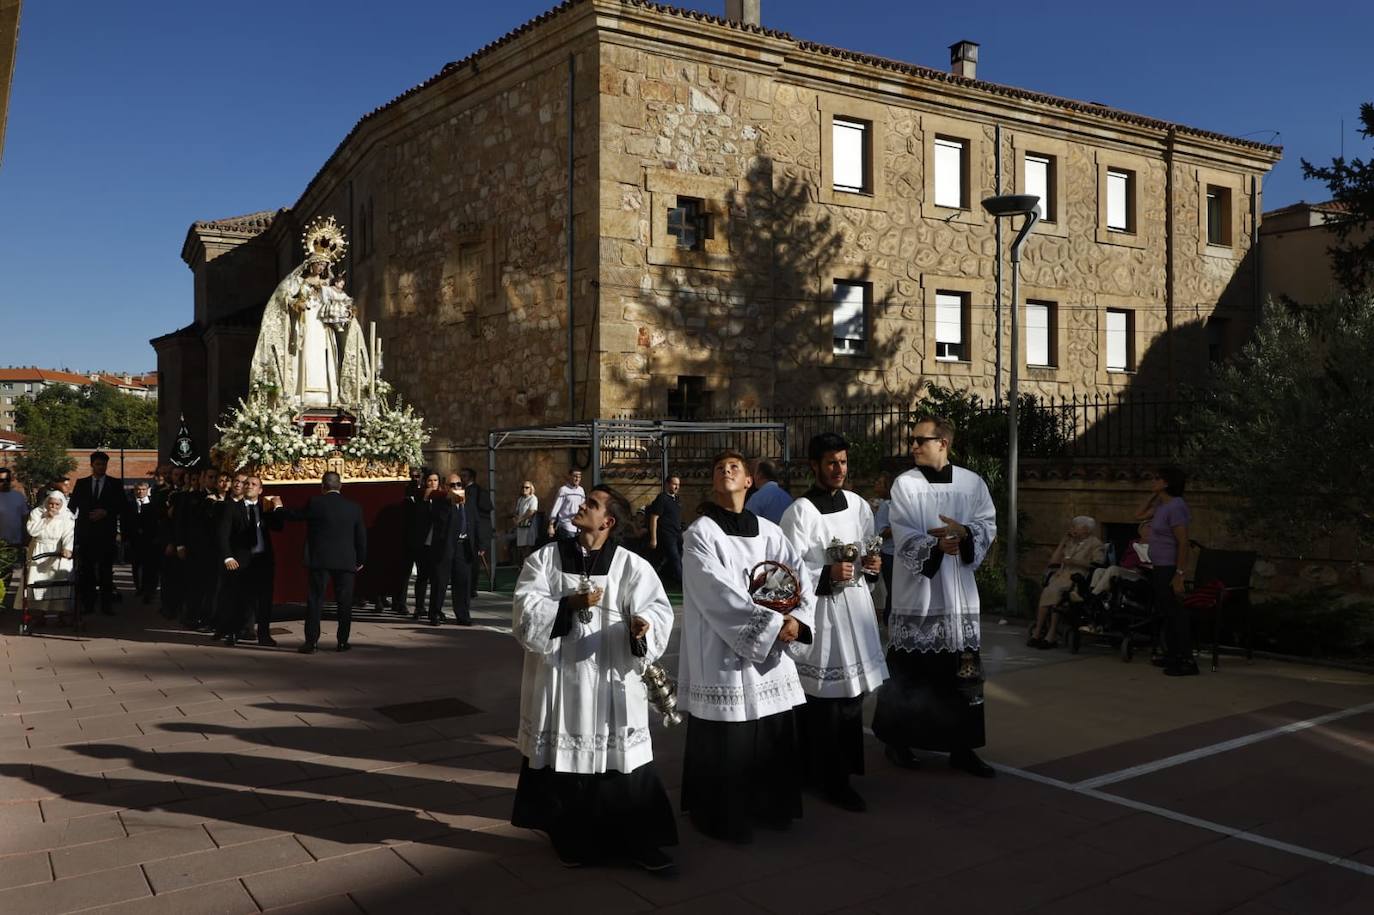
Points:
[(390, 433)]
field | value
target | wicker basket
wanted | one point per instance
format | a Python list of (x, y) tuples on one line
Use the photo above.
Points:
[(782, 603)]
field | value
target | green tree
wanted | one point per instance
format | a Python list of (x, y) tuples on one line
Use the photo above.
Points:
[(95, 416), (1288, 426), (43, 460), (1351, 184)]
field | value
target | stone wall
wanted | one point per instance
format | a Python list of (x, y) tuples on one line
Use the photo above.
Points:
[(746, 129)]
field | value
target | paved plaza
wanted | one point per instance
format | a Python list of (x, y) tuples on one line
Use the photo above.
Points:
[(144, 770)]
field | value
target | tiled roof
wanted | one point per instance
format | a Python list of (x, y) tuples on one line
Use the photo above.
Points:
[(50, 376), (827, 50), (1329, 206), (248, 224)]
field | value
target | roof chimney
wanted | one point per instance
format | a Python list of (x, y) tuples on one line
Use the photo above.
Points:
[(963, 59), (745, 12)]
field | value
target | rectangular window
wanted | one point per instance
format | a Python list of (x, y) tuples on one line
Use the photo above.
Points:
[(951, 313), (1217, 338), (949, 173), (849, 150), (690, 224), (1218, 215), (1039, 333), (1120, 200), (1120, 340), (1040, 182), (849, 314)]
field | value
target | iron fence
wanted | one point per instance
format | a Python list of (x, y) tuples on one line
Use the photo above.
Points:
[(1088, 427)]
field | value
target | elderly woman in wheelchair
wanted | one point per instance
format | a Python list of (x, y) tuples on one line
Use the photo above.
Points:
[(1075, 556)]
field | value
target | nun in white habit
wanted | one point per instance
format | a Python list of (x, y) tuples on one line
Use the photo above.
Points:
[(591, 616)]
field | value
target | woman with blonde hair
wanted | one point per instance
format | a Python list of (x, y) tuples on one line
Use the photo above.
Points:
[(52, 532), (1078, 551), (526, 531)]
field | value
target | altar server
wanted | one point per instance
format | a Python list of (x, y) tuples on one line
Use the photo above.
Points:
[(943, 524), (845, 660), (740, 684), (591, 615)]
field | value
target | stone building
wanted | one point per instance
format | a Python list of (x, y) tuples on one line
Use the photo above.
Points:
[(690, 212), (1295, 242)]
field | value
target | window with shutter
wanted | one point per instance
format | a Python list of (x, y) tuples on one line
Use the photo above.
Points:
[(1038, 181), (848, 317), (1039, 333), (949, 173), (950, 314), (849, 150), (1119, 201), (1118, 340)]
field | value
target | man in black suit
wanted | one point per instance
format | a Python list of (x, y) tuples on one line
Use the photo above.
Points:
[(249, 562), (197, 530), (453, 539), (415, 533), (99, 503), (140, 541), (478, 502), (335, 550)]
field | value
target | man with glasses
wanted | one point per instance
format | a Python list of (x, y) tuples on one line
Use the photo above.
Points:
[(943, 524), (14, 509), (249, 563), (453, 548)]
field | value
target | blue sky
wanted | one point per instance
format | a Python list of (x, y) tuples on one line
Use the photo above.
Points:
[(130, 120)]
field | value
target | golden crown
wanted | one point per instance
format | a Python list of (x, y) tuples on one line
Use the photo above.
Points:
[(323, 239)]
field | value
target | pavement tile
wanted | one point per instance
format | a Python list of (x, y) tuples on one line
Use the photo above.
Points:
[(305, 819), (191, 812), (329, 905), (20, 870), (398, 829), (76, 893), (136, 849), (228, 897), (61, 833), (720, 904), (589, 897), (132, 796), (223, 863), (305, 882)]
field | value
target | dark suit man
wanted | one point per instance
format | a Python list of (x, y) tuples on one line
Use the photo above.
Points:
[(415, 535), (478, 502), (140, 541), (99, 503), (335, 550), (453, 549), (250, 565), (197, 545), (166, 502)]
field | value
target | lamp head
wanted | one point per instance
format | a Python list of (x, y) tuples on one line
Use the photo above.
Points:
[(1007, 205)]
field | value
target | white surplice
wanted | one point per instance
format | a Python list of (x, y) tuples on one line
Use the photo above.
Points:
[(732, 667), (845, 658), (583, 707), (940, 613)]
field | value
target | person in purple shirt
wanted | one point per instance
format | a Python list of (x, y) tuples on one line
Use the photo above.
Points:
[(1168, 517), (769, 500)]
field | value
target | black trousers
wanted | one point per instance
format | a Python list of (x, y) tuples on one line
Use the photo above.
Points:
[(201, 568), (314, 601), (670, 549), (1178, 625), (444, 574), (95, 572), (418, 560), (247, 597), (737, 773), (173, 585), (830, 734)]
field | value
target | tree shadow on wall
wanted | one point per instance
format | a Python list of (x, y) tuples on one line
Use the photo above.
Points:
[(755, 324)]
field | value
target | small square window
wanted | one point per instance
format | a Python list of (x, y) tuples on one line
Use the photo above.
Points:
[(951, 320), (850, 151), (1218, 215), (1040, 182), (690, 224), (950, 160), (849, 317), (1120, 340), (1120, 200), (689, 400)]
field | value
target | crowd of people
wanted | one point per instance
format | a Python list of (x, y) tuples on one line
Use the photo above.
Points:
[(780, 645)]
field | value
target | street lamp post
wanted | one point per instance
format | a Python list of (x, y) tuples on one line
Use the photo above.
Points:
[(123, 434), (1008, 206)]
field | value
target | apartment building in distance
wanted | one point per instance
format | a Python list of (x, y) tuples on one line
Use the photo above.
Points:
[(17, 384), (698, 212)]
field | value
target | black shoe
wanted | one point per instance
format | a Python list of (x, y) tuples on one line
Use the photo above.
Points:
[(901, 757), (402, 609), (231, 640), (1159, 660), (846, 798), (307, 648), (462, 622), (654, 861), (1034, 641), (343, 646), (267, 641), (968, 761), (1185, 669)]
